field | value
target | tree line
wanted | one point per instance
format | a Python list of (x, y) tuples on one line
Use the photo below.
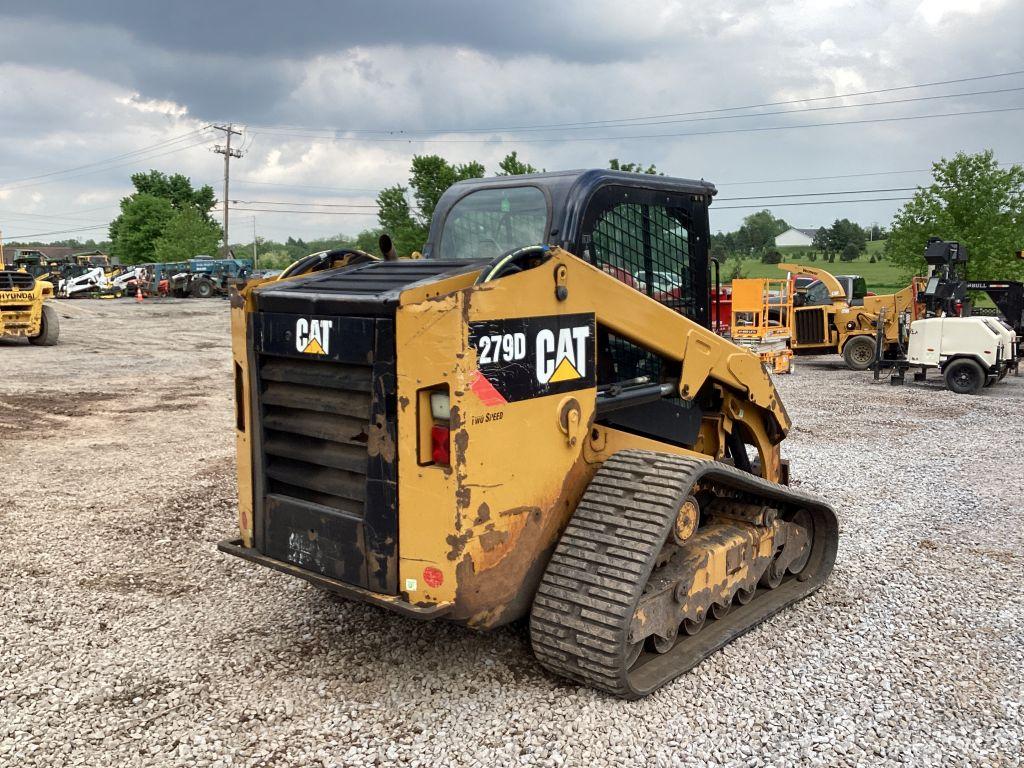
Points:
[(755, 238), (972, 199)]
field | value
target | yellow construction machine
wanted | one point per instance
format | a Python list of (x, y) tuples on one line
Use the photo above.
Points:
[(24, 309), (502, 429), (830, 319)]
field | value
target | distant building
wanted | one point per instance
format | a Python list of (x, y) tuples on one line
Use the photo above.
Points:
[(794, 236)]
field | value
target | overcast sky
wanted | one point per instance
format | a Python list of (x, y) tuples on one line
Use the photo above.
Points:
[(91, 92)]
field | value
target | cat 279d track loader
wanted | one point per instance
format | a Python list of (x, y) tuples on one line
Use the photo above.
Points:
[(502, 429)]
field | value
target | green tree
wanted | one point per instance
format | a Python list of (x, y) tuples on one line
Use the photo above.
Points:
[(849, 252), (615, 165), (844, 232), (771, 257), (134, 233), (758, 232), (178, 189), (971, 200), (408, 232), (823, 243), (511, 165), (187, 235)]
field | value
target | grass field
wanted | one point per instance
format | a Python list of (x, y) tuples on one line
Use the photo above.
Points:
[(881, 277)]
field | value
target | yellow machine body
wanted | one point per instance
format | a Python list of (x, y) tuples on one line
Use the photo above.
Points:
[(22, 305)]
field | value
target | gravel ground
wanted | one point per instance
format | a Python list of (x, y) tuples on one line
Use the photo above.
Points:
[(127, 639)]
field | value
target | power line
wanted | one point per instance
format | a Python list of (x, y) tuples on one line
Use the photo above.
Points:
[(809, 202), (820, 194), (52, 216), (104, 169), (645, 136), (841, 176), (324, 213), (142, 150), (722, 117), (304, 186), (323, 205), (12, 238), (609, 121)]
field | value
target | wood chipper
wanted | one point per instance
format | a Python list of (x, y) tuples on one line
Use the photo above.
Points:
[(502, 429), (828, 320)]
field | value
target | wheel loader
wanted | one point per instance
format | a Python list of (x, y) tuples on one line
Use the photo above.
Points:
[(828, 322), (24, 309), (505, 429)]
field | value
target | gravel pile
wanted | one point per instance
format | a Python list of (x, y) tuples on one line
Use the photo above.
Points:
[(128, 640)]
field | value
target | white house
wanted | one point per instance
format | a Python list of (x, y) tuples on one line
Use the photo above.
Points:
[(794, 236)]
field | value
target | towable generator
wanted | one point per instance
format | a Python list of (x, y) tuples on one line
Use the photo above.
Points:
[(502, 429)]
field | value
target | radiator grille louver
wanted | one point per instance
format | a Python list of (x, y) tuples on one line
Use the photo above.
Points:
[(11, 280), (810, 326), (316, 417)]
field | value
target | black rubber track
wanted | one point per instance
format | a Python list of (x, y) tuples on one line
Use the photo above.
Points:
[(585, 603)]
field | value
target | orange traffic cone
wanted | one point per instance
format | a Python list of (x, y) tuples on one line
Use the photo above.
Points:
[(138, 294)]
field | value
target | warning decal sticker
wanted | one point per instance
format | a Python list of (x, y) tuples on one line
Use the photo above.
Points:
[(522, 358)]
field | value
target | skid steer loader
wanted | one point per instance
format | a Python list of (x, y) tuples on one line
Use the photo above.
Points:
[(502, 429)]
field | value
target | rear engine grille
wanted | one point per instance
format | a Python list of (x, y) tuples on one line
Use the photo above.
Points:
[(15, 308), (326, 475), (810, 326), (11, 280), (316, 418)]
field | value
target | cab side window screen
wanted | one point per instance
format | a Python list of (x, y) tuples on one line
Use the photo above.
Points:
[(647, 247)]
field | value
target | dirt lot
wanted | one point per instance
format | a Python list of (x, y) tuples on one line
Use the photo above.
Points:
[(127, 639)]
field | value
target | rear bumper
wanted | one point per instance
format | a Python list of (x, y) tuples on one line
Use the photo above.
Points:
[(392, 603)]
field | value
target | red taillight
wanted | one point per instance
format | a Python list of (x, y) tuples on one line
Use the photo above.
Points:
[(440, 445)]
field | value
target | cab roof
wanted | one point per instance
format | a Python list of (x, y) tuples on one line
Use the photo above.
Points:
[(567, 192)]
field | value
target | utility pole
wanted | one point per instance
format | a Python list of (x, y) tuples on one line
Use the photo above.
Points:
[(228, 152), (255, 257)]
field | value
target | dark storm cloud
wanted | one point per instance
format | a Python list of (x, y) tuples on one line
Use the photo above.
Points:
[(303, 29), (67, 72)]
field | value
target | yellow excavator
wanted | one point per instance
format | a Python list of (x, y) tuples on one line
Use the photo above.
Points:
[(831, 319), (514, 426)]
